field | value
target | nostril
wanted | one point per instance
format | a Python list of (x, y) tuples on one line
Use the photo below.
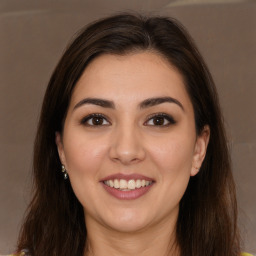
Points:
[(126, 147), (126, 160)]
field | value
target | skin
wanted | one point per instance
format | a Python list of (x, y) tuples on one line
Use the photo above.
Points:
[(129, 141)]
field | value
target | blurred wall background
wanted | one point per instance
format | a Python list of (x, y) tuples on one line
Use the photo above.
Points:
[(32, 39)]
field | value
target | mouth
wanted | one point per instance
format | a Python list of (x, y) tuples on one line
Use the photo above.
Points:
[(127, 187)]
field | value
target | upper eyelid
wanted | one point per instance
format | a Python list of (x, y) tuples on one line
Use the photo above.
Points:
[(164, 115), (89, 116)]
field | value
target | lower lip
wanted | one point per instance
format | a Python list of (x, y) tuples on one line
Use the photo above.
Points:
[(127, 195)]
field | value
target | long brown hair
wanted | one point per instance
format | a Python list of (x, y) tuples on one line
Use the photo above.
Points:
[(207, 222)]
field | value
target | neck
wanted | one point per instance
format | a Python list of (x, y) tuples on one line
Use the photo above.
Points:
[(154, 241)]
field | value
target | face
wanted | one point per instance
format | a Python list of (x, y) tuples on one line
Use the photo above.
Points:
[(129, 142)]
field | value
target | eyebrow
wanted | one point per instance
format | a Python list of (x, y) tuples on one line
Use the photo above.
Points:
[(94, 101), (159, 100), (144, 104)]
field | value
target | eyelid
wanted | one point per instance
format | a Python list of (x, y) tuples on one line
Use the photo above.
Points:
[(168, 117), (90, 116)]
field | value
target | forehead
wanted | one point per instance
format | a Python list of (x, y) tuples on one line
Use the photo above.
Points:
[(132, 77)]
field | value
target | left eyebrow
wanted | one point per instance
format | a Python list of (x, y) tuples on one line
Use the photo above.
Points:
[(159, 100), (95, 101)]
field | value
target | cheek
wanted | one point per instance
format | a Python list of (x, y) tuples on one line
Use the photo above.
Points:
[(173, 164), (173, 155), (83, 156), (84, 159)]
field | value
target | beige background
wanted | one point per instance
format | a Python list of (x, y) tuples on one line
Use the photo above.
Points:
[(33, 35)]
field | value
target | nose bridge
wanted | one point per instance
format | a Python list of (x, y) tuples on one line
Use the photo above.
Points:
[(127, 145)]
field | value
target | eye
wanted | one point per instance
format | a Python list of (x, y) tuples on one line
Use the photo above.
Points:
[(160, 119), (95, 120)]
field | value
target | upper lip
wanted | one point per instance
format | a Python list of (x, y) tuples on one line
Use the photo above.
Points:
[(127, 177)]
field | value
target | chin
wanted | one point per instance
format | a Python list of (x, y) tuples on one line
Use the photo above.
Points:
[(128, 221), (125, 227)]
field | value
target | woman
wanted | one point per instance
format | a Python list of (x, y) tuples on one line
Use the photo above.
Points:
[(130, 156)]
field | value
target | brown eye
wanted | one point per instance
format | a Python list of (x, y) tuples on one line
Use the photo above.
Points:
[(95, 120), (160, 120)]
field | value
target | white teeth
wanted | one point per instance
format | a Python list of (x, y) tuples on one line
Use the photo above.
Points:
[(116, 183), (127, 185), (111, 183), (123, 184), (131, 184), (138, 183)]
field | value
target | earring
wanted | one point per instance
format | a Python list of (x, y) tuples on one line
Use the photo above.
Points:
[(64, 171)]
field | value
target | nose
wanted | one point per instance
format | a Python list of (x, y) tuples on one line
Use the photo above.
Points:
[(127, 146)]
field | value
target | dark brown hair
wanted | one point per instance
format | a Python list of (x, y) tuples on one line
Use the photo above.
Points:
[(207, 222)]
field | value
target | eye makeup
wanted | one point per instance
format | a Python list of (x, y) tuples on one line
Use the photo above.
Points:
[(156, 119), (95, 119), (160, 120)]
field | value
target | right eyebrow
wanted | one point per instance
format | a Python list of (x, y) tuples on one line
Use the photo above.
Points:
[(159, 100), (94, 101)]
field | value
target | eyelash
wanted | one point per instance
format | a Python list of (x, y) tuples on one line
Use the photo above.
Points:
[(167, 118), (86, 119)]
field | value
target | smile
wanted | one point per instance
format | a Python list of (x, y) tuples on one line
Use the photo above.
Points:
[(129, 185)]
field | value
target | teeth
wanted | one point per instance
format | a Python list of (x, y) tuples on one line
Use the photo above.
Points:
[(116, 184), (123, 184), (127, 185), (138, 183), (111, 183), (131, 184)]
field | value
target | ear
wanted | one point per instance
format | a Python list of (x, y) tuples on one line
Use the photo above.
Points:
[(58, 141), (200, 150)]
